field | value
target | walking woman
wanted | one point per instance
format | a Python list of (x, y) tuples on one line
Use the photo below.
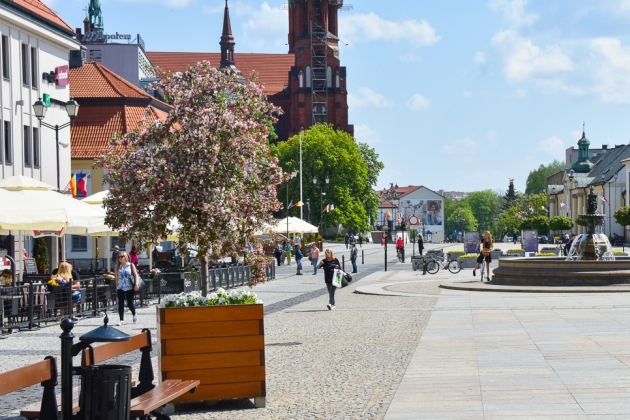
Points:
[(420, 244), (288, 249), (486, 247), (314, 257), (127, 281), (329, 263), (133, 255), (298, 259)]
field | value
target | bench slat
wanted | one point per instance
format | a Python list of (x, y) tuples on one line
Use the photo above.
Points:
[(25, 376), (111, 350), (164, 393), (34, 411)]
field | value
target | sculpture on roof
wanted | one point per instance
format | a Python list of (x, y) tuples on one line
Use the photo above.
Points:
[(96, 16)]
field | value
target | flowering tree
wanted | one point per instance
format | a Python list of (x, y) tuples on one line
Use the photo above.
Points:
[(207, 165)]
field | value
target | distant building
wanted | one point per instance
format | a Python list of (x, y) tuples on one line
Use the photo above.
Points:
[(455, 195)]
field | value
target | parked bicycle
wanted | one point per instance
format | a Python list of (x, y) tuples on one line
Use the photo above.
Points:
[(435, 261)]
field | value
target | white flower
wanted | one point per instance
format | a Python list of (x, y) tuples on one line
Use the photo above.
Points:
[(259, 301), (221, 291), (221, 301)]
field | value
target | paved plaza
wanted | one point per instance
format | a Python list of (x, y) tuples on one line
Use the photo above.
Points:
[(400, 347)]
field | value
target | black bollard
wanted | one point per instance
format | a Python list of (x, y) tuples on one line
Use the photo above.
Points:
[(343, 263), (385, 247), (362, 257), (67, 339)]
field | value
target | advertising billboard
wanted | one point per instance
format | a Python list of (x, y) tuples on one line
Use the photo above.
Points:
[(427, 214)]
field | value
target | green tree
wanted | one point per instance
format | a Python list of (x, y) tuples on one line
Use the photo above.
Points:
[(537, 179), (622, 216), (560, 223), (460, 218), (508, 222), (40, 253), (510, 198), (541, 224), (484, 206), (352, 170)]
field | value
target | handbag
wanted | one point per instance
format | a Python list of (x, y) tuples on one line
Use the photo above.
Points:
[(310, 258), (345, 281), (337, 278)]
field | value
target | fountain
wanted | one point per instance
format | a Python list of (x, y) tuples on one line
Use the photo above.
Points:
[(590, 261), (591, 246)]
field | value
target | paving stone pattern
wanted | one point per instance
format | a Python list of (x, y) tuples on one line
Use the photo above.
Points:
[(424, 288)]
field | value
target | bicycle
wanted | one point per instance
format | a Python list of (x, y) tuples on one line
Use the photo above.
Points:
[(435, 261)]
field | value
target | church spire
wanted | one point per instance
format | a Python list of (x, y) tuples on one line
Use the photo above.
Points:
[(227, 41)]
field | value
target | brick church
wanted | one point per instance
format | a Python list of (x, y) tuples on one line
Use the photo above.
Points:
[(308, 83)]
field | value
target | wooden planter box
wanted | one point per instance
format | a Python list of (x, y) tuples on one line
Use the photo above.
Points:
[(221, 346)]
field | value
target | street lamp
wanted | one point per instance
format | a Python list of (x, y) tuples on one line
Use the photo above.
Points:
[(293, 173), (321, 199), (389, 195), (72, 108), (613, 179)]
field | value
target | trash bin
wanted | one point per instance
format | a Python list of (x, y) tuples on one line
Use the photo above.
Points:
[(105, 392)]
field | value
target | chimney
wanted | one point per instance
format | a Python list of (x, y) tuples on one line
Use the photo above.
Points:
[(604, 147)]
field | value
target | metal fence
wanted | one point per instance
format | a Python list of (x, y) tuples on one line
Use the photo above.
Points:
[(34, 304)]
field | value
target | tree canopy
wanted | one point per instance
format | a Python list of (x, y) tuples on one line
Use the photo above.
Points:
[(458, 216), (484, 206), (537, 179), (208, 165), (351, 167)]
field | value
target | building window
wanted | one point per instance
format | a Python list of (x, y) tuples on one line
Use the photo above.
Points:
[(36, 155), (33, 67), (308, 77), (26, 77), (115, 240), (79, 243), (328, 77), (95, 55), (8, 143), (27, 146), (5, 57)]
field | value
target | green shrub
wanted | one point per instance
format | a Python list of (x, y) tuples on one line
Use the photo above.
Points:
[(40, 253)]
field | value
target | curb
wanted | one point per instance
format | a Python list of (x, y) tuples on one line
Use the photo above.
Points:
[(485, 287)]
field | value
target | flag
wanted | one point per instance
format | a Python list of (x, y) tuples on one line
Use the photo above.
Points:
[(331, 207), (388, 214), (562, 205), (298, 204), (291, 204), (605, 199), (520, 216), (531, 209), (543, 207), (77, 185)]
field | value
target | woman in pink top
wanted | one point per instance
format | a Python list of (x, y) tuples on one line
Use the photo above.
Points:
[(314, 257), (133, 256)]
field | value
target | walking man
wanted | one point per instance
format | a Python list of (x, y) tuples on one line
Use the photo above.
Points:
[(346, 240), (353, 257)]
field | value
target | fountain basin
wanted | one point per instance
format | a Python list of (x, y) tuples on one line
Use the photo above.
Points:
[(557, 271)]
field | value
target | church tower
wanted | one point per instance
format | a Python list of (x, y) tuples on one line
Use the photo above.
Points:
[(96, 16), (317, 81), (227, 43)]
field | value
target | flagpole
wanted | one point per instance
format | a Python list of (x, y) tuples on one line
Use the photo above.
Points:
[(301, 201)]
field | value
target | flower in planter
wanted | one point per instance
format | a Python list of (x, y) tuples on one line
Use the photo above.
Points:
[(221, 297), (516, 250), (110, 276), (57, 281), (155, 271), (545, 254), (468, 256)]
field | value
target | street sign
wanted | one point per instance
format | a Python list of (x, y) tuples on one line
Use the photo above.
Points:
[(413, 220), (46, 99)]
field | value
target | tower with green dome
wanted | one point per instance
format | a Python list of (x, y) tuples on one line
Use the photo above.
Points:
[(583, 164)]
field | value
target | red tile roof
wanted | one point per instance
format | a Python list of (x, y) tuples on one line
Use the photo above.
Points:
[(39, 8), (96, 125), (273, 69), (386, 204), (93, 80)]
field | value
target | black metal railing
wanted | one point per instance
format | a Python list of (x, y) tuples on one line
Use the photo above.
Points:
[(32, 303)]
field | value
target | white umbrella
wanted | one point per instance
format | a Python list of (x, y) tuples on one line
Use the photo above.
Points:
[(294, 225), (96, 198), (25, 213), (83, 219)]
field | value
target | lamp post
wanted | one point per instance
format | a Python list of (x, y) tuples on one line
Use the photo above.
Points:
[(72, 108), (613, 179), (321, 199), (389, 195), (293, 173)]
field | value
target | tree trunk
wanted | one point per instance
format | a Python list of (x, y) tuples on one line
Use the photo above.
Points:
[(204, 274)]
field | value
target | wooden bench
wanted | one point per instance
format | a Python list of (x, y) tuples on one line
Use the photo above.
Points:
[(44, 373), (146, 397)]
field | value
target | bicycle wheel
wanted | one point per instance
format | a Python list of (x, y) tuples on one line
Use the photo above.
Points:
[(454, 266), (433, 267)]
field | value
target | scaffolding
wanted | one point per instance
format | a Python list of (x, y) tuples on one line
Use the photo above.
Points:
[(319, 70)]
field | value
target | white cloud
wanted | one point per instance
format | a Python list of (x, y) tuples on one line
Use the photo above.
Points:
[(418, 102), (365, 134), (480, 57), (514, 12), (265, 25), (524, 60), (466, 94), (371, 27), (553, 146), (367, 97), (463, 150), (492, 138), (557, 85), (611, 66), (624, 5)]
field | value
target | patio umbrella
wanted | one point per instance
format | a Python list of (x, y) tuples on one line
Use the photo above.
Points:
[(83, 219), (25, 213), (294, 225)]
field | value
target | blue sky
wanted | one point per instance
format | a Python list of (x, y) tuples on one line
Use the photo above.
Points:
[(454, 95)]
